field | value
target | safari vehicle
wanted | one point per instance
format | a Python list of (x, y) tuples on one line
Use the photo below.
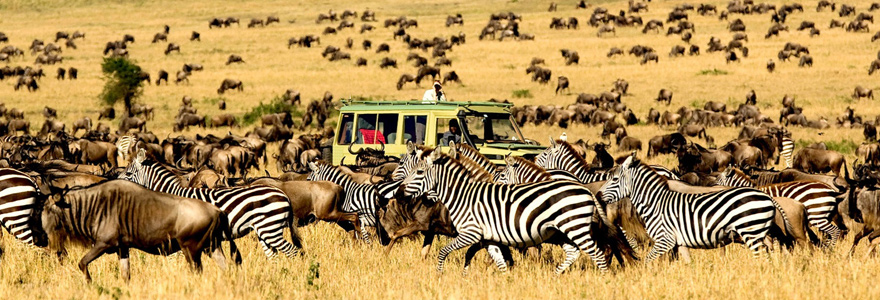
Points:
[(389, 125)]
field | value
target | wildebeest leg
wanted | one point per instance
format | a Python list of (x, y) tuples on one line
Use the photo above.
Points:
[(219, 257), (124, 265), (857, 239), (97, 250), (426, 244), (875, 241)]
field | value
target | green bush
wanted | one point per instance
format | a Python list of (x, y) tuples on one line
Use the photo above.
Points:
[(842, 146), (273, 107), (713, 71), (522, 94)]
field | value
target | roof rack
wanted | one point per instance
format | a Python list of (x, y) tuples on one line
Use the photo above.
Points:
[(417, 102)]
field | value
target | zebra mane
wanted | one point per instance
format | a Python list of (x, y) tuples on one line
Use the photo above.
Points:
[(345, 173), (161, 167), (475, 171), (529, 165), (571, 151), (475, 156), (740, 174), (641, 165)]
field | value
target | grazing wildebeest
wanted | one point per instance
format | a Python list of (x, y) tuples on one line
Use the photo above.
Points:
[(861, 92), (230, 84), (650, 56), (404, 79), (664, 95), (451, 76), (234, 58), (121, 215), (195, 36)]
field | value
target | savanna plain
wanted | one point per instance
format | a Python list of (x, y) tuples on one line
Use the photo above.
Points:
[(334, 265)]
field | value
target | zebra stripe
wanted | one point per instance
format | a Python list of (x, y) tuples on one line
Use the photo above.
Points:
[(263, 209), (18, 200), (787, 150), (360, 198), (708, 220), (124, 147), (512, 215), (818, 198)]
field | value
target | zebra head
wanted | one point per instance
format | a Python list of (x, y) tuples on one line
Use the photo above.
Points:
[(620, 184), (423, 178), (321, 171), (726, 176), (509, 175), (136, 171), (407, 162)]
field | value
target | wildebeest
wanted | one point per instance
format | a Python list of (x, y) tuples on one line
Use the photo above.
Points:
[(156, 223), (223, 120), (650, 56), (451, 76), (819, 161), (185, 120), (230, 84), (404, 79), (669, 143), (195, 36), (664, 96), (861, 92), (805, 60), (234, 58), (562, 84), (172, 47)]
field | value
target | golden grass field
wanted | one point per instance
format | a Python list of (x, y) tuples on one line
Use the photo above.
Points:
[(489, 69)]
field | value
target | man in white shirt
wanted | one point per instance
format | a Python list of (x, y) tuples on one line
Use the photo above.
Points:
[(435, 94)]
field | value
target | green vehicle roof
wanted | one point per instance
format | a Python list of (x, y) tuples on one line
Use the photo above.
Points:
[(419, 105)]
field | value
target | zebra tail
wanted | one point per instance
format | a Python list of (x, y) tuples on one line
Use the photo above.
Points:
[(610, 239)]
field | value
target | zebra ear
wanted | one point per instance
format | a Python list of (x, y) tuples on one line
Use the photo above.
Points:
[(313, 166), (552, 142), (141, 155), (452, 152), (435, 155), (410, 147)]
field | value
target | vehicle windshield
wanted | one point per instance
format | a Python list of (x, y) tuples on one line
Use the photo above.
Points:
[(491, 128)]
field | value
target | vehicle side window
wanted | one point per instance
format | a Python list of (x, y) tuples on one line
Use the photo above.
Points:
[(344, 134), (448, 130), (387, 129), (366, 130), (414, 129)]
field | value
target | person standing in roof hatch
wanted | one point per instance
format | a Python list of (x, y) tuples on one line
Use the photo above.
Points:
[(435, 94)]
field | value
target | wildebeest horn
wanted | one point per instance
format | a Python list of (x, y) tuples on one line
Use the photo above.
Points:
[(383, 146), (352, 152)]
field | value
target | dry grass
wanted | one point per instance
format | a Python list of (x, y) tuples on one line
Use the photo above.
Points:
[(489, 69)]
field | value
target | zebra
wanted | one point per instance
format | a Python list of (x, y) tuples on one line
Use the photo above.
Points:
[(561, 156), (819, 199), (683, 220), (787, 150), (360, 198), (124, 146), (409, 160), (19, 198), (513, 215), (263, 209)]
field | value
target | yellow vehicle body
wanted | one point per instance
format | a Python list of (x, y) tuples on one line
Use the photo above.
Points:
[(486, 126)]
